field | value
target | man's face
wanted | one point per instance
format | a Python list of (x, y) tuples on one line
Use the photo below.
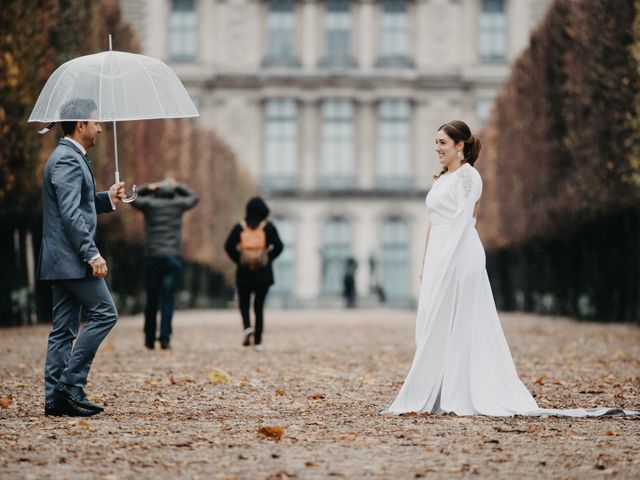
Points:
[(88, 132)]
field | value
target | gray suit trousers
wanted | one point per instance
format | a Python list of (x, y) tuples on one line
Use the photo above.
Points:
[(65, 362)]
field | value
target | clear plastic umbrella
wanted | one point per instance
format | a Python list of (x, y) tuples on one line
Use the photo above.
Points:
[(123, 86)]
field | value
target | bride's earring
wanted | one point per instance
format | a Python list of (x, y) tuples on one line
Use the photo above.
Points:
[(460, 155)]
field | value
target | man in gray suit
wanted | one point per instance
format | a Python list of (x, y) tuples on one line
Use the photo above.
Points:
[(70, 260)]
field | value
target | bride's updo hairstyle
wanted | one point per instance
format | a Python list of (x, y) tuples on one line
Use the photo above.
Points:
[(458, 131)]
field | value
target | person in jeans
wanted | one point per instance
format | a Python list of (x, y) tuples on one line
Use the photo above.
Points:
[(163, 204), (254, 272)]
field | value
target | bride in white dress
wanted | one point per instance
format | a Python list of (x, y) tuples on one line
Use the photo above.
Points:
[(462, 362)]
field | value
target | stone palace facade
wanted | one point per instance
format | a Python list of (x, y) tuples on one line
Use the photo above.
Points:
[(331, 107)]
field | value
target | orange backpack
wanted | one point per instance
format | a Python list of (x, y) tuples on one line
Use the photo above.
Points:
[(253, 246)]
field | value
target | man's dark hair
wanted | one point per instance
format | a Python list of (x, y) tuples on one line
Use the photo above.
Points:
[(76, 110)]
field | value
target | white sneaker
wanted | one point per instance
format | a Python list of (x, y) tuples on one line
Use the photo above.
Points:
[(259, 347), (246, 339)]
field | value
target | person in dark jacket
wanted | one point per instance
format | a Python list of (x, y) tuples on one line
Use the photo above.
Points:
[(254, 279), (163, 204)]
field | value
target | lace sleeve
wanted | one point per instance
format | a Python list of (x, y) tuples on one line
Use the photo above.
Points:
[(468, 187)]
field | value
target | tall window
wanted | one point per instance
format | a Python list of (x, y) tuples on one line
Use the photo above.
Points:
[(337, 170), (281, 31), (281, 143), (335, 252), (395, 258), (492, 30), (284, 267), (394, 34), (483, 109), (183, 30), (394, 141), (337, 26)]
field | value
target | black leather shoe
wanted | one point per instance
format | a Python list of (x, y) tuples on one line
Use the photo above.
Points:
[(75, 397), (64, 406), (165, 345), (52, 410), (150, 344)]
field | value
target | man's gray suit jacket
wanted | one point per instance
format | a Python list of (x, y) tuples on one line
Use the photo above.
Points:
[(70, 206)]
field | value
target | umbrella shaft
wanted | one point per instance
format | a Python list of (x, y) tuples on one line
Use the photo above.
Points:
[(115, 150)]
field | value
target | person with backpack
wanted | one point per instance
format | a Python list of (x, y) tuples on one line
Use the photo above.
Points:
[(253, 245)]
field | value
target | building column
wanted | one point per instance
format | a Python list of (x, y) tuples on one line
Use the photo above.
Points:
[(309, 142), (470, 45), (157, 42), (366, 142), (308, 244), (310, 34), (366, 239), (518, 28), (423, 165), (423, 35), (206, 36), (365, 42)]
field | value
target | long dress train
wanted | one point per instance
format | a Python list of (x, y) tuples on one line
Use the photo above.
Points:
[(462, 362)]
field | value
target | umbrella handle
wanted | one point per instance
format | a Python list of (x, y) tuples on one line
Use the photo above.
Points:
[(133, 196), (134, 189)]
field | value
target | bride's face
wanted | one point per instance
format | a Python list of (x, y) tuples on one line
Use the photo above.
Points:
[(447, 149)]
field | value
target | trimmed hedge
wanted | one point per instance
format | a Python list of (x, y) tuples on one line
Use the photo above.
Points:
[(561, 159)]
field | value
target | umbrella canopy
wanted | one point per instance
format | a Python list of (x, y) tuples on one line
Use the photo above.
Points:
[(123, 86)]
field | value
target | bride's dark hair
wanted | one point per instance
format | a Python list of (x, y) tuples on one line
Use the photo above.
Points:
[(458, 131)]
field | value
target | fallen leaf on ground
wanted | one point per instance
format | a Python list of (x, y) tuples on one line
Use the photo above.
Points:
[(271, 432), (280, 391), (281, 474), (317, 396), (218, 376), (6, 401)]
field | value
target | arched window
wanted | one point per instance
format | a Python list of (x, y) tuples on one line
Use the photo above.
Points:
[(335, 252), (394, 264)]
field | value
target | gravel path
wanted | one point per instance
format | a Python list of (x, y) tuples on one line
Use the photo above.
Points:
[(307, 406)]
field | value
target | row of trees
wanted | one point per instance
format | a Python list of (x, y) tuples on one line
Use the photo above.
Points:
[(561, 163), (35, 38)]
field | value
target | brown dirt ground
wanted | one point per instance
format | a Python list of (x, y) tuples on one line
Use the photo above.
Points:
[(322, 380)]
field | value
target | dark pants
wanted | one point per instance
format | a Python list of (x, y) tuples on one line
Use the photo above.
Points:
[(244, 300), (161, 277), (68, 363)]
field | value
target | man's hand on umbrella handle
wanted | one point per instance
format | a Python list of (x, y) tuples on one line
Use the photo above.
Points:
[(116, 192), (99, 267)]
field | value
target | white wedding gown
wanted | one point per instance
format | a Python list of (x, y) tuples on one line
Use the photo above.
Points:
[(462, 362)]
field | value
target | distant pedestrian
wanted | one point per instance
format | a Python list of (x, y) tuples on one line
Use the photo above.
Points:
[(253, 245), (163, 204), (349, 291)]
